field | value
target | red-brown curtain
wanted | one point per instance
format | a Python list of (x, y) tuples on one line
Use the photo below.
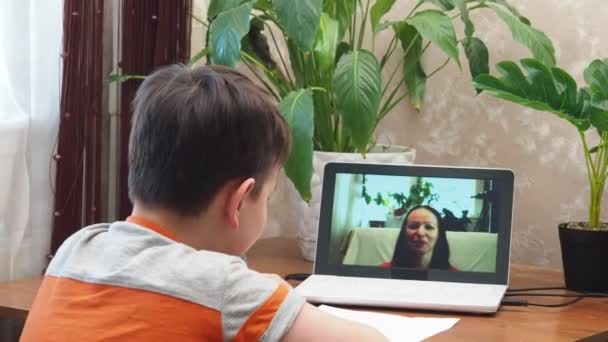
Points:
[(77, 183), (155, 33)]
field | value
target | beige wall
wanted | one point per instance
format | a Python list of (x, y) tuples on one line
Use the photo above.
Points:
[(455, 127)]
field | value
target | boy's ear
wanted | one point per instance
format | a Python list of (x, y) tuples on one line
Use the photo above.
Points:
[(235, 199)]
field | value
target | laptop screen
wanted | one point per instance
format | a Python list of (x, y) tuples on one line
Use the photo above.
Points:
[(416, 222)]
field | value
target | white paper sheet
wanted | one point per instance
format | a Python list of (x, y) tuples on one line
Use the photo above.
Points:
[(394, 327)]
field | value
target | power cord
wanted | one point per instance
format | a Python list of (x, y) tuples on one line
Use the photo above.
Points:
[(296, 276), (523, 302), (517, 292), (584, 295), (525, 289)]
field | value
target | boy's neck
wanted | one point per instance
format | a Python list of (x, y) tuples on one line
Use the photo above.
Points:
[(201, 232)]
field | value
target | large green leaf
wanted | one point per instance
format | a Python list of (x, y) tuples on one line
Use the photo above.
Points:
[(536, 41), (512, 9), (342, 11), (255, 44), (413, 72), (263, 5), (446, 5), (218, 6), (469, 27), (596, 76), (298, 109), (343, 48), (326, 44), (514, 78), (379, 9), (437, 27), (477, 54), (566, 86), (599, 118), (300, 20), (358, 85), (225, 34), (544, 89), (324, 54)]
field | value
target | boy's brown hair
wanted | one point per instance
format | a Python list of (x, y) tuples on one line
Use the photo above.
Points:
[(194, 130)]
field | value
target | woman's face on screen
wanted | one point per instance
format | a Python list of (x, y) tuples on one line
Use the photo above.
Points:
[(421, 231)]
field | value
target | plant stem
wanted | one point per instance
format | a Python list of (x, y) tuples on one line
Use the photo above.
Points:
[(398, 85), (410, 45), (253, 60), (389, 51), (363, 21), (388, 107), (470, 9), (337, 132), (596, 173), (201, 21), (274, 20), (353, 28), (266, 85), (588, 161), (390, 80), (601, 181), (413, 9), (424, 50)]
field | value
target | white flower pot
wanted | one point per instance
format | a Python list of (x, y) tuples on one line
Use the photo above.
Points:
[(307, 214)]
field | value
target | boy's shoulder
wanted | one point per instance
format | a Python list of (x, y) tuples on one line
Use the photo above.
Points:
[(121, 257), (128, 255)]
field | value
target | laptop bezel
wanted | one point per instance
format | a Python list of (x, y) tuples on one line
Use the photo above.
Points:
[(503, 180)]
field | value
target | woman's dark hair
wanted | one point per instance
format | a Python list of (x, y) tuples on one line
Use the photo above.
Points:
[(441, 251)]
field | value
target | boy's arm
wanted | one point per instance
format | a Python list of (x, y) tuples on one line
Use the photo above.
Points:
[(313, 324)]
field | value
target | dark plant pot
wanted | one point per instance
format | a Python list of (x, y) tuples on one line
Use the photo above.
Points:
[(584, 255)]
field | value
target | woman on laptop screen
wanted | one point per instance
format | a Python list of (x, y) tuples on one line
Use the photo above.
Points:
[(422, 241)]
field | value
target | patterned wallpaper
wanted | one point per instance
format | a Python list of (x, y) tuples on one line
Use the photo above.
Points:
[(455, 127)]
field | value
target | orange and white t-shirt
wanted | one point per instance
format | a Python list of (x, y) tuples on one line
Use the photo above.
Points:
[(131, 281)]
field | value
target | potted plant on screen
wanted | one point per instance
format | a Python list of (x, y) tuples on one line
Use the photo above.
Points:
[(328, 80), (399, 203), (584, 245)]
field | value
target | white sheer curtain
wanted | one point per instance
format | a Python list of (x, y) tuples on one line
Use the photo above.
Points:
[(30, 77)]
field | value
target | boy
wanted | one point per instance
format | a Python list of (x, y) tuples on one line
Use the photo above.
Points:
[(204, 153)]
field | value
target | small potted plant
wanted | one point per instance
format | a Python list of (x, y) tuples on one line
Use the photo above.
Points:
[(584, 245), (398, 203)]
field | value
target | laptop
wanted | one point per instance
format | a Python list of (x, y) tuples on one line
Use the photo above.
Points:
[(380, 242)]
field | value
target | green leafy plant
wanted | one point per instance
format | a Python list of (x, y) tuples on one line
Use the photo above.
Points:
[(328, 82), (420, 193), (551, 89)]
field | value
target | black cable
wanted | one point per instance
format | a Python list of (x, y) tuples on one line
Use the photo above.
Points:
[(582, 295), (296, 276), (513, 302), (523, 302), (556, 305), (524, 289)]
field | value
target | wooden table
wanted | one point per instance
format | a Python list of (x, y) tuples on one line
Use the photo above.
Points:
[(511, 323), (281, 256)]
